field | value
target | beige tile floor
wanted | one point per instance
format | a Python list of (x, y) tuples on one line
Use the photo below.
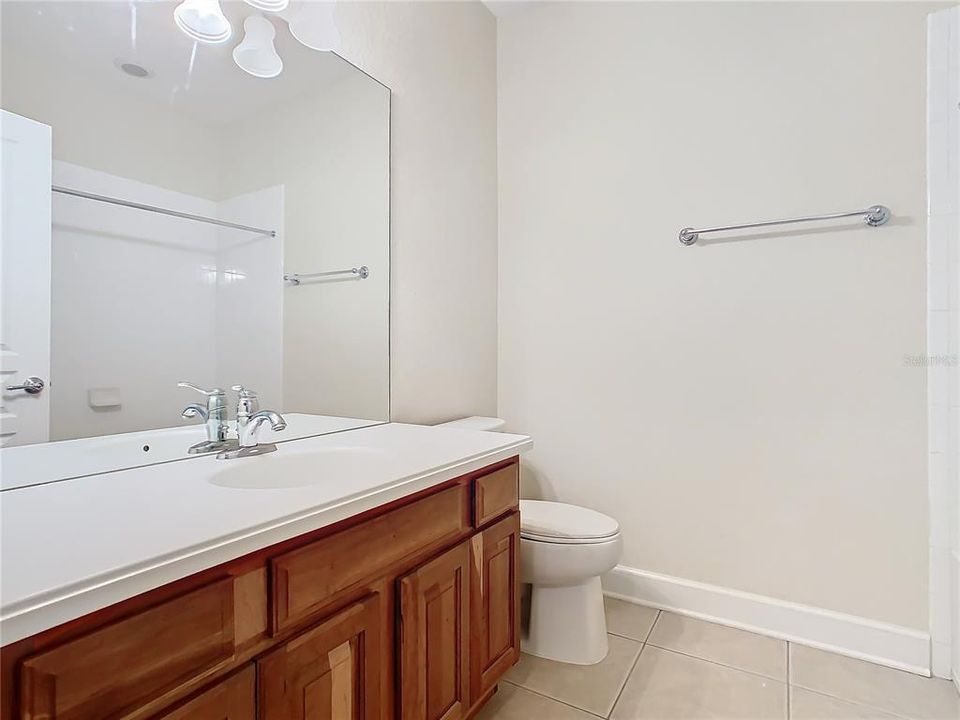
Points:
[(663, 666)]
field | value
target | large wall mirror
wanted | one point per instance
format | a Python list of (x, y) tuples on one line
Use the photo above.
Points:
[(218, 213)]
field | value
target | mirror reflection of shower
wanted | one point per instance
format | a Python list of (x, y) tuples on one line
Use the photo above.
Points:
[(258, 129)]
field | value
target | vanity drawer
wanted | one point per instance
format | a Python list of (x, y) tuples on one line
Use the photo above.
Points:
[(307, 579), (495, 494), (124, 665)]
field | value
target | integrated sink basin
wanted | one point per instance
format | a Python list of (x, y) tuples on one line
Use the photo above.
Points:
[(286, 468)]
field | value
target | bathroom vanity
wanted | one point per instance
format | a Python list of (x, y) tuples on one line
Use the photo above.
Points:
[(390, 591)]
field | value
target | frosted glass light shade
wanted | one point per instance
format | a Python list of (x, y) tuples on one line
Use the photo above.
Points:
[(203, 20), (268, 5), (313, 25), (256, 53)]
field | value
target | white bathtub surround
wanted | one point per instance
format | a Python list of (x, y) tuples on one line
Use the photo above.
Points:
[(943, 336), (249, 298), (747, 408), (110, 537), (175, 305)]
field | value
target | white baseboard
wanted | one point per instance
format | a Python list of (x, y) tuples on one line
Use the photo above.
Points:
[(877, 642)]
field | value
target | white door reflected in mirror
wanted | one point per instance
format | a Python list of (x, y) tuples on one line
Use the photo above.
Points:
[(24, 280)]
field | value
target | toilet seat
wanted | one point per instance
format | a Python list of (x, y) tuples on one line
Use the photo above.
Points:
[(554, 522)]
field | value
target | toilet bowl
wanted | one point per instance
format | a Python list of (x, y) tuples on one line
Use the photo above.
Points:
[(564, 549)]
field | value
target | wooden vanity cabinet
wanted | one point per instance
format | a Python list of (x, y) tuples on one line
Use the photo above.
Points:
[(409, 611), (331, 671), (230, 699), (435, 638), (494, 606), (115, 669)]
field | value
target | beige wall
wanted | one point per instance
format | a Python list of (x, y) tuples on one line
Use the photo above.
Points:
[(742, 407), (440, 61)]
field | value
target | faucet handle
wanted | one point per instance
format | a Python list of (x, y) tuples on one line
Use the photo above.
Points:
[(247, 402), (209, 393), (243, 392)]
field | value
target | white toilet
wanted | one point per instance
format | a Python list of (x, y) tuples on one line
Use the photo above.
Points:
[(564, 549)]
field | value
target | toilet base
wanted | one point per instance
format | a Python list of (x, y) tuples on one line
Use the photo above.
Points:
[(567, 623)]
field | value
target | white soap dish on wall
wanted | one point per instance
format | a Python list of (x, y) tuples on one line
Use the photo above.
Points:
[(103, 398)]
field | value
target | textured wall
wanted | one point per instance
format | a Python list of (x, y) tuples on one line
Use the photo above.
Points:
[(745, 408), (440, 61)]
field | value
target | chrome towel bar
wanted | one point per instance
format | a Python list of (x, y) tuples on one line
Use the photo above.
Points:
[(362, 273), (873, 216)]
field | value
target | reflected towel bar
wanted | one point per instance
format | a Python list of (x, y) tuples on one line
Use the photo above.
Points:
[(160, 210), (362, 273), (873, 216)]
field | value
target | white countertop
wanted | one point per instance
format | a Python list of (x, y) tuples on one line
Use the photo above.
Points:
[(72, 547)]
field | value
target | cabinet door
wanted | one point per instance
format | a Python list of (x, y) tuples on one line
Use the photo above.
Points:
[(230, 699), (434, 638), (330, 672), (495, 601)]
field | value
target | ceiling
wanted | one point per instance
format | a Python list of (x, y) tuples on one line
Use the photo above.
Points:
[(93, 38)]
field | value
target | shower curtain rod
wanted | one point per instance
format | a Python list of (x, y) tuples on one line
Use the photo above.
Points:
[(160, 210)]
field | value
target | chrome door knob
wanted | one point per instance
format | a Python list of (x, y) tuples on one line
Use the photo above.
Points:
[(31, 386)]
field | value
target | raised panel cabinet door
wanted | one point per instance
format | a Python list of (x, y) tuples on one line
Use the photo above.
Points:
[(434, 638), (495, 604), (230, 699), (330, 672)]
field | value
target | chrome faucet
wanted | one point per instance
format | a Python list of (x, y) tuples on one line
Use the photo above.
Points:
[(214, 416), (250, 418)]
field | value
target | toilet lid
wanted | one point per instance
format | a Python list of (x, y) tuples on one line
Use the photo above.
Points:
[(543, 520)]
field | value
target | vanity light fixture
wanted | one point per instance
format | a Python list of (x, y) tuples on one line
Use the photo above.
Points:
[(256, 54), (312, 24), (203, 20), (269, 5)]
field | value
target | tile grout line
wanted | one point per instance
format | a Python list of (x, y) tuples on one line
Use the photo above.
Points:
[(623, 687), (855, 703), (789, 709), (553, 699), (823, 693), (642, 640), (633, 666), (652, 626), (718, 664), (785, 681)]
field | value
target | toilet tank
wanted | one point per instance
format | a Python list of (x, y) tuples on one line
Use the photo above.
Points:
[(476, 422)]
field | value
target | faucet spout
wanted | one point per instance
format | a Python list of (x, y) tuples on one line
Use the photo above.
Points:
[(192, 411), (275, 419)]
